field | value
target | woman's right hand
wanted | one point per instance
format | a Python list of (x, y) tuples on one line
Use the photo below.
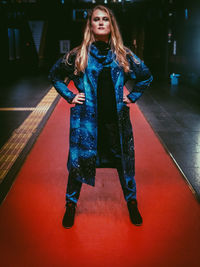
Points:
[(79, 99)]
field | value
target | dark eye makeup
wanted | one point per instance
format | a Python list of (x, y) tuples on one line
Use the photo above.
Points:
[(98, 18)]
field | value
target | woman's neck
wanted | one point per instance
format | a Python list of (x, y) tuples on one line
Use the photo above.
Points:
[(104, 39)]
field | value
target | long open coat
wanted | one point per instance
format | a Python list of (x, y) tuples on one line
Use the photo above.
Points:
[(83, 118)]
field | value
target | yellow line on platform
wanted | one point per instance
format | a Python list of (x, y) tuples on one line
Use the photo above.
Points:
[(20, 137), (17, 109)]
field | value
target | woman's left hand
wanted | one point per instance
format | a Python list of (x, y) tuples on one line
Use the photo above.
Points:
[(126, 100)]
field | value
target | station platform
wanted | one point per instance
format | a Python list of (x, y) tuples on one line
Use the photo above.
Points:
[(31, 213)]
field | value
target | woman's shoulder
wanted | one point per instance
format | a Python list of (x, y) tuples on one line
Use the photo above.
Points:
[(131, 57), (70, 57)]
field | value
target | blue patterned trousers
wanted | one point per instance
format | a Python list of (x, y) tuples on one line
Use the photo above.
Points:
[(74, 188)]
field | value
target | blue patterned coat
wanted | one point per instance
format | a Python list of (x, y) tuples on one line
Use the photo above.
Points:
[(83, 118)]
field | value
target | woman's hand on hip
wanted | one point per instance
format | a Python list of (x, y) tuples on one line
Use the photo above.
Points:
[(126, 100), (79, 99)]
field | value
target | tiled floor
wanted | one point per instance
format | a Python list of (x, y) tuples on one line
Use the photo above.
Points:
[(22, 93), (25, 106), (174, 113)]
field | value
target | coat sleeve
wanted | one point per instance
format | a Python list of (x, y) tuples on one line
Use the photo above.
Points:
[(142, 76), (57, 75)]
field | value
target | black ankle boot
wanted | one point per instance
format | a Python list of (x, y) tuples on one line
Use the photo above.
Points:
[(68, 219), (134, 213)]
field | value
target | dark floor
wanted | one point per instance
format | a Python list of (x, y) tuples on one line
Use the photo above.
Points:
[(19, 93), (173, 112)]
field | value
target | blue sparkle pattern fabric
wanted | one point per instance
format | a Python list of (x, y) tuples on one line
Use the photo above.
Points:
[(82, 157)]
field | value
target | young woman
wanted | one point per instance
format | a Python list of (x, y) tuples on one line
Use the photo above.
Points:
[(100, 128)]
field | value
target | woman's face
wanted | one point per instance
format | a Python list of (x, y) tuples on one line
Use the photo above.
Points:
[(100, 25)]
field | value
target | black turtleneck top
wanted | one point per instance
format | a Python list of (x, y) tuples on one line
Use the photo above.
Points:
[(108, 136), (106, 101)]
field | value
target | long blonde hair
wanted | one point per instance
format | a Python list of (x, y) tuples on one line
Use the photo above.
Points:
[(116, 43)]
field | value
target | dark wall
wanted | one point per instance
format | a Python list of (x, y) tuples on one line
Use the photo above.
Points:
[(144, 26), (186, 32), (136, 21)]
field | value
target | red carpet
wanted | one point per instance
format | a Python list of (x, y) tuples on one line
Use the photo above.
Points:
[(31, 233)]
